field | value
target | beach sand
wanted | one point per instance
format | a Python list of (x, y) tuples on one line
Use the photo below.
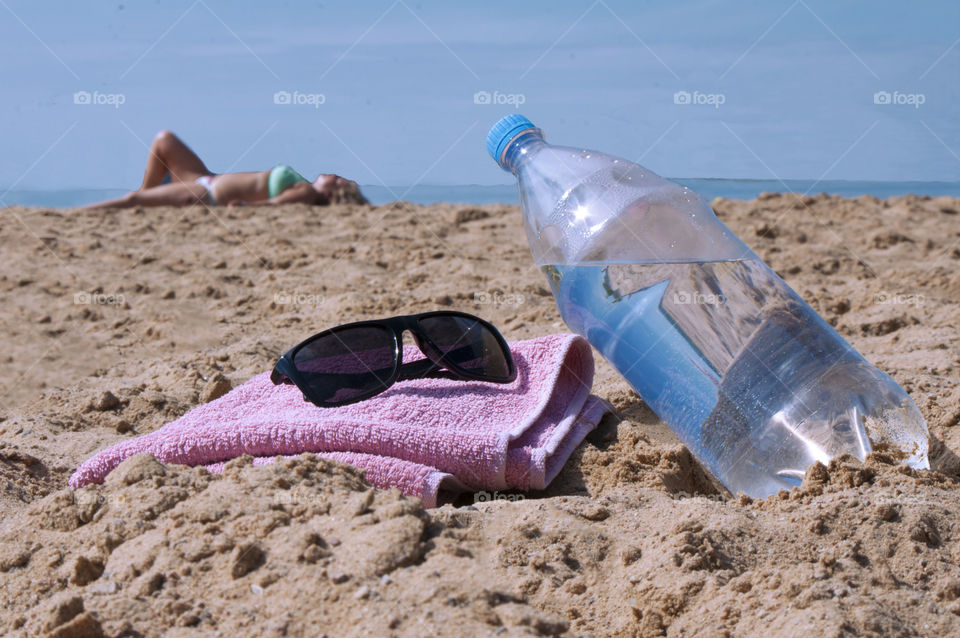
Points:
[(116, 322)]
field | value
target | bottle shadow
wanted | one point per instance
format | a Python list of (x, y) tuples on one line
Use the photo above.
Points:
[(943, 459)]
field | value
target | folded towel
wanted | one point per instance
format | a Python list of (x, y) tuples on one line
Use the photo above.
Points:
[(428, 437)]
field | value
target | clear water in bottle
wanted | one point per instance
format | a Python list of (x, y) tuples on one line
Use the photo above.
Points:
[(748, 376)]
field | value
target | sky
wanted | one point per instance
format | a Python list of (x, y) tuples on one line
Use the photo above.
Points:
[(399, 92)]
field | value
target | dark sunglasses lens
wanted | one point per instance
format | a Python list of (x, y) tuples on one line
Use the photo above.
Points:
[(469, 344), (346, 364)]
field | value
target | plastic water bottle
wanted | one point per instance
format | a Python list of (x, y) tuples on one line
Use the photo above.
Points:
[(747, 375)]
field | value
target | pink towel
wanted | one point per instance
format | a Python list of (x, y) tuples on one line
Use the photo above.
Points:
[(428, 437)]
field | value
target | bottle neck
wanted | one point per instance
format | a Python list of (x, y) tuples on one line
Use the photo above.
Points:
[(521, 148)]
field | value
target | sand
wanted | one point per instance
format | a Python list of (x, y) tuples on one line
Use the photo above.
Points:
[(115, 323)]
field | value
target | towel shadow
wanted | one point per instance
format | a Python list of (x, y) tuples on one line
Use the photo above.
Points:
[(572, 480), (668, 463)]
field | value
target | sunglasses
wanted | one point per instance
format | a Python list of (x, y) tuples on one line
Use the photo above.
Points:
[(356, 361)]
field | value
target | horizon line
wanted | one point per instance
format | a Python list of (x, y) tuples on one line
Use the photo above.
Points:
[(474, 185)]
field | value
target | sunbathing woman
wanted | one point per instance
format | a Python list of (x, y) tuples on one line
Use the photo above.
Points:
[(191, 182)]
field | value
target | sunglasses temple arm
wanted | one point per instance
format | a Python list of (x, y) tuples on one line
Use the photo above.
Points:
[(281, 372)]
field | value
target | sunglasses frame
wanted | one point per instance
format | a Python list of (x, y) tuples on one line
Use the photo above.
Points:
[(435, 365)]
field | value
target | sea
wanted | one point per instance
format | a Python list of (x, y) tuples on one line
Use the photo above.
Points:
[(507, 193)]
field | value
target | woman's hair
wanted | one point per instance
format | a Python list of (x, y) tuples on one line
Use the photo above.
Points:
[(347, 193)]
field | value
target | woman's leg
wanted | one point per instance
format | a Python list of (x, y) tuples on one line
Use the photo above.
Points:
[(176, 194), (168, 154)]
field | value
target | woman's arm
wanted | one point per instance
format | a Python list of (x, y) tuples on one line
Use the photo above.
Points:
[(299, 193)]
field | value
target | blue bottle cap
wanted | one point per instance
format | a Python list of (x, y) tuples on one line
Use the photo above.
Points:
[(504, 131)]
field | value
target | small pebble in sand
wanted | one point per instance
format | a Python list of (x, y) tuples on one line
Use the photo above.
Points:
[(106, 401), (247, 558), (85, 571), (215, 388)]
